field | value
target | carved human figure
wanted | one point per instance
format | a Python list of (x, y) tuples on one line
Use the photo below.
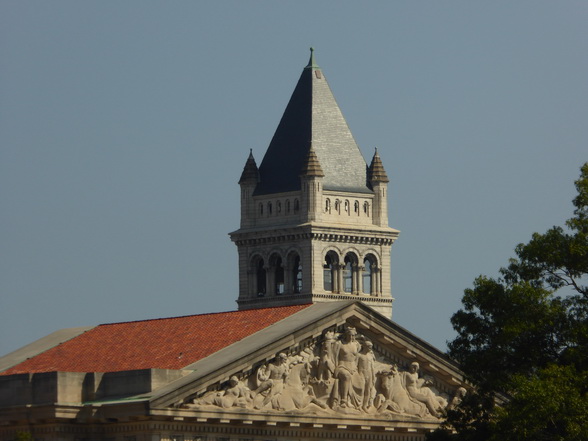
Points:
[(272, 379), (393, 395), (326, 364), (460, 393), (236, 395), (346, 373), (342, 374), (365, 366), (418, 389)]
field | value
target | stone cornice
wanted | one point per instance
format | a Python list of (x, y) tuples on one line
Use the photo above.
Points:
[(324, 233), (227, 421), (191, 423), (293, 299)]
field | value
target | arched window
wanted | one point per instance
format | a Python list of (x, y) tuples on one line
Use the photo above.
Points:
[(279, 207), (328, 206), (278, 269), (293, 273), (347, 206), (356, 207), (297, 276), (366, 208), (330, 269), (260, 278), (296, 205), (348, 276), (338, 206), (350, 273), (369, 275), (269, 208), (261, 209), (287, 206)]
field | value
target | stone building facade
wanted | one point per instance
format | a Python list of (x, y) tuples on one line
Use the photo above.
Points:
[(310, 354)]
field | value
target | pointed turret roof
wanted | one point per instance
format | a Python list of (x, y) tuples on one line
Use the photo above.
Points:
[(312, 167), (312, 118), (250, 171), (376, 171)]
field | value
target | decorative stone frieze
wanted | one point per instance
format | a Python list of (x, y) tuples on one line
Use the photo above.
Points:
[(339, 374)]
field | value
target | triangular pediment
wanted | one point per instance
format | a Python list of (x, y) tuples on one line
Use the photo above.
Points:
[(329, 362)]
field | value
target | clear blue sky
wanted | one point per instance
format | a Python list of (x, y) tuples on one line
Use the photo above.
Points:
[(124, 127)]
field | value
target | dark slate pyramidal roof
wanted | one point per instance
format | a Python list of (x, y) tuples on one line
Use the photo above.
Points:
[(312, 118)]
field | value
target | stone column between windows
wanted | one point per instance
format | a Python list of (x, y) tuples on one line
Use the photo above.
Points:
[(252, 282), (355, 279), (339, 287), (288, 277), (360, 271), (378, 277), (270, 289)]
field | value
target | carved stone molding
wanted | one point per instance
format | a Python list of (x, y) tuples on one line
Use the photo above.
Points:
[(367, 238)]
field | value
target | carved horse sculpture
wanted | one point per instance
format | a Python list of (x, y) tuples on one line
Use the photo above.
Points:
[(295, 393)]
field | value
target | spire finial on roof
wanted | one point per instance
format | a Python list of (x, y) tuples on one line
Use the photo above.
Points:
[(311, 63)]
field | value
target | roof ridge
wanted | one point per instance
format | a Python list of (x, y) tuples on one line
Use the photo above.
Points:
[(197, 315)]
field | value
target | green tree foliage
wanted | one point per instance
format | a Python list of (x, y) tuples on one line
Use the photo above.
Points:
[(24, 436), (523, 342), (550, 405)]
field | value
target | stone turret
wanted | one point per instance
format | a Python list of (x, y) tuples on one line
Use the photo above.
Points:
[(379, 181), (314, 219), (311, 179), (248, 181)]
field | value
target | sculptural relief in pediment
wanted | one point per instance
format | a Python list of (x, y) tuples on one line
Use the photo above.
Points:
[(339, 373)]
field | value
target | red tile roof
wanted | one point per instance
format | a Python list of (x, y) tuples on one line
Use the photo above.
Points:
[(168, 343)]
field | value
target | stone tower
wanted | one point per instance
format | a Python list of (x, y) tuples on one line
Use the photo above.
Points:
[(314, 217)]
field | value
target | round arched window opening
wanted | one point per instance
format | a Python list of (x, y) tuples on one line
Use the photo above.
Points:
[(350, 273), (330, 272), (278, 276), (260, 278)]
